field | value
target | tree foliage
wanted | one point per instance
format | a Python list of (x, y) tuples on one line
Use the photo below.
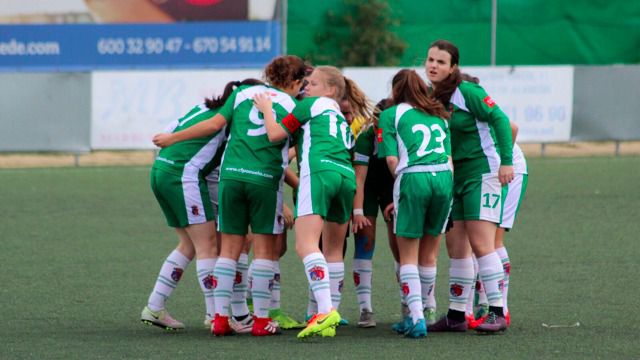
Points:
[(358, 33)]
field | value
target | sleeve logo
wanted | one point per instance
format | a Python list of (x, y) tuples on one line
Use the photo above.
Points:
[(379, 135), (489, 101)]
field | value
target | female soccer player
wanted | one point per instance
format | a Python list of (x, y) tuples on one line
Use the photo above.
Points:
[(415, 142), (327, 183), (481, 146), (178, 183), (374, 188), (251, 177)]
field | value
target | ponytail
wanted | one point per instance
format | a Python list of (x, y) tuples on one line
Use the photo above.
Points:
[(360, 105), (214, 103), (408, 87)]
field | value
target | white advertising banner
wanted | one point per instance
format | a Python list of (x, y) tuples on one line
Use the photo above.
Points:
[(538, 98), (129, 107)]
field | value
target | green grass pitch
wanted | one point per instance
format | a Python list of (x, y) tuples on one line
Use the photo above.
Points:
[(80, 249)]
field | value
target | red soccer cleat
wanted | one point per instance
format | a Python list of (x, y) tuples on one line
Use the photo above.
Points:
[(264, 327), (220, 326)]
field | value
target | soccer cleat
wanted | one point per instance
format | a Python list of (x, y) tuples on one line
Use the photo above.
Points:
[(243, 326), (448, 325), (328, 332), (208, 319), (264, 327), (366, 319), (417, 330), (320, 322), (430, 316), (493, 324), (507, 317), (220, 326), (286, 322), (160, 318), (473, 323), (481, 310), (402, 326), (343, 322)]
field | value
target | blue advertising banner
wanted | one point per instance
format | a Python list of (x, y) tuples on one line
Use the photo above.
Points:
[(73, 47)]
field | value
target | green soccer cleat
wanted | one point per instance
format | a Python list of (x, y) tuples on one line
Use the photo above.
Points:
[(160, 318), (430, 316), (320, 322), (286, 322)]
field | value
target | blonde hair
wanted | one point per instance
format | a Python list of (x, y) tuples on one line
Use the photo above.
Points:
[(347, 89)]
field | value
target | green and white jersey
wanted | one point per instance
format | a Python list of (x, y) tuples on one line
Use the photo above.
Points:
[(323, 136), (250, 156), (366, 146), (195, 156), (419, 140), (519, 161), (480, 132)]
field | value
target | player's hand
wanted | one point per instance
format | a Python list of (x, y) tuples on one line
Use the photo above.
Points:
[(262, 101), (287, 214), (388, 212), (359, 222), (505, 174), (162, 140)]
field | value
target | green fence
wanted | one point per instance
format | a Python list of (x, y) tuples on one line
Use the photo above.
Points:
[(528, 31)]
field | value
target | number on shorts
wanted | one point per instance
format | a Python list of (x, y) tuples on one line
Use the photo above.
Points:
[(426, 138), (487, 200)]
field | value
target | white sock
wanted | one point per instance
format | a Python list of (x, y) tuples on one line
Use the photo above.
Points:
[(224, 274), (410, 283), (362, 276), (428, 285), (477, 284), (250, 277), (460, 281), (336, 280), (396, 266), (261, 287), (492, 275), (317, 272), (240, 285), (205, 268), (170, 273), (275, 292), (506, 266), (479, 287), (312, 305)]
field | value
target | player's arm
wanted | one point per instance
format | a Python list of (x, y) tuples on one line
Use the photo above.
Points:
[(275, 132), (514, 131), (291, 178), (392, 163), (201, 129), (359, 220)]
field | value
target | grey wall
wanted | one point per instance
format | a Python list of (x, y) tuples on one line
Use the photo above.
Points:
[(606, 103), (45, 112)]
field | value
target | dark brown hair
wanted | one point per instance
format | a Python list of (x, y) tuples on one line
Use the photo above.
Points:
[(381, 106), (284, 70), (408, 87), (445, 89), (469, 78), (214, 103)]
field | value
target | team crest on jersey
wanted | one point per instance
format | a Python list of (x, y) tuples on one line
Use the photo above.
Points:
[(316, 273), (456, 290), (489, 101), (195, 210), (238, 278), (379, 135), (176, 274), (356, 278), (507, 268), (209, 282), (405, 289)]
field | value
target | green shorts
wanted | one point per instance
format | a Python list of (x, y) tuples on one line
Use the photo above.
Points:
[(184, 200), (242, 204), (328, 194), (515, 193), (422, 203), (479, 197)]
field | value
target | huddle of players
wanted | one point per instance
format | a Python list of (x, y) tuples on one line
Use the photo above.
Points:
[(418, 137)]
